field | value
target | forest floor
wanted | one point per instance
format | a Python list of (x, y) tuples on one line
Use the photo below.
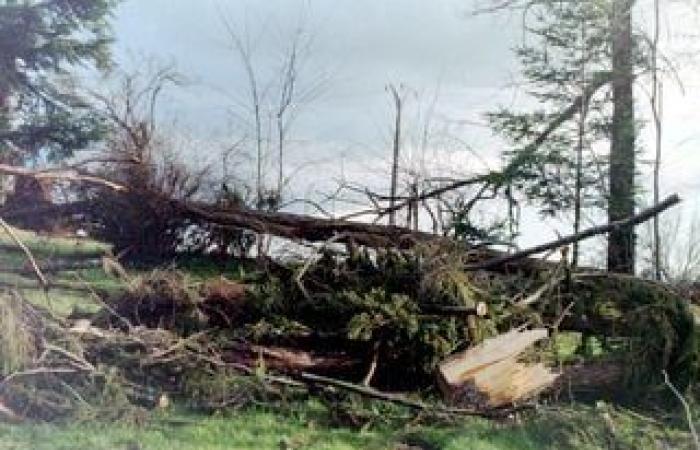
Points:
[(305, 424)]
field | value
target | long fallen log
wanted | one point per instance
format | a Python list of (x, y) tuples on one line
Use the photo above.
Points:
[(637, 219), (285, 225), (314, 229), (302, 227)]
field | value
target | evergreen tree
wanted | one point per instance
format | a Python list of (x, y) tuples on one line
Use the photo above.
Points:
[(41, 44), (566, 52), (577, 50)]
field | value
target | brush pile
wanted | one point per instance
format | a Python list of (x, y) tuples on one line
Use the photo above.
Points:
[(365, 321)]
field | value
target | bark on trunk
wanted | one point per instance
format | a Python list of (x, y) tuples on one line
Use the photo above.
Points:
[(621, 243)]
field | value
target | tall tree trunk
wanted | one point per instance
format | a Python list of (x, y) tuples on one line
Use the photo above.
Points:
[(621, 242), (280, 149)]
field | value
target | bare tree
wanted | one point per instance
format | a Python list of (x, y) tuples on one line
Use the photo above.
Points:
[(398, 104), (275, 101), (244, 50), (137, 155), (656, 109), (294, 92), (678, 254)]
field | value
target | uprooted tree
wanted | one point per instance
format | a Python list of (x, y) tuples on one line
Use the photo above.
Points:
[(360, 304), (44, 116), (370, 302)]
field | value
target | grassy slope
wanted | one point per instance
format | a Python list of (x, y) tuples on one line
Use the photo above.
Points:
[(52, 250), (303, 427)]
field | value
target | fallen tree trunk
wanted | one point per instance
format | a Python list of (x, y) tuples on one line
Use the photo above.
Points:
[(314, 229), (302, 227), (291, 360), (308, 228), (285, 225), (637, 219)]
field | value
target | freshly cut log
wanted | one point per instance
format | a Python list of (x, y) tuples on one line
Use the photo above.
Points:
[(490, 375)]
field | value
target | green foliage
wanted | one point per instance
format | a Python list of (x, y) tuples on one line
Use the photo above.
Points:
[(566, 51), (381, 315), (376, 301), (40, 44), (655, 325), (394, 322)]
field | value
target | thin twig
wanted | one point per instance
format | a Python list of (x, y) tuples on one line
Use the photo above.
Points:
[(103, 303), (398, 399), (372, 365), (686, 406), (298, 278), (562, 316), (82, 363), (27, 253), (535, 296)]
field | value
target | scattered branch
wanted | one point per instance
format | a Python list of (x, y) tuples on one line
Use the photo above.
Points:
[(686, 406), (401, 399), (27, 253), (72, 175)]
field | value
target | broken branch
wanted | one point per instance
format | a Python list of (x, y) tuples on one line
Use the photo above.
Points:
[(72, 175), (585, 234), (27, 253)]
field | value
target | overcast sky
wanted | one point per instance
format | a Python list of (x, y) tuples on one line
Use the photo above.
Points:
[(454, 66)]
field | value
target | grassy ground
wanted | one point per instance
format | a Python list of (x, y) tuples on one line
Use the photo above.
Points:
[(579, 427), (306, 425), (47, 251)]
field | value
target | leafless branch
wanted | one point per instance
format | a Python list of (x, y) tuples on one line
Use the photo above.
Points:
[(27, 253)]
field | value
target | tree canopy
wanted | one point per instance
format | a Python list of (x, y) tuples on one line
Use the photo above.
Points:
[(42, 43)]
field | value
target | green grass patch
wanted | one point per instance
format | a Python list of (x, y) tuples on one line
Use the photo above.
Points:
[(52, 246), (575, 427), (54, 249)]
